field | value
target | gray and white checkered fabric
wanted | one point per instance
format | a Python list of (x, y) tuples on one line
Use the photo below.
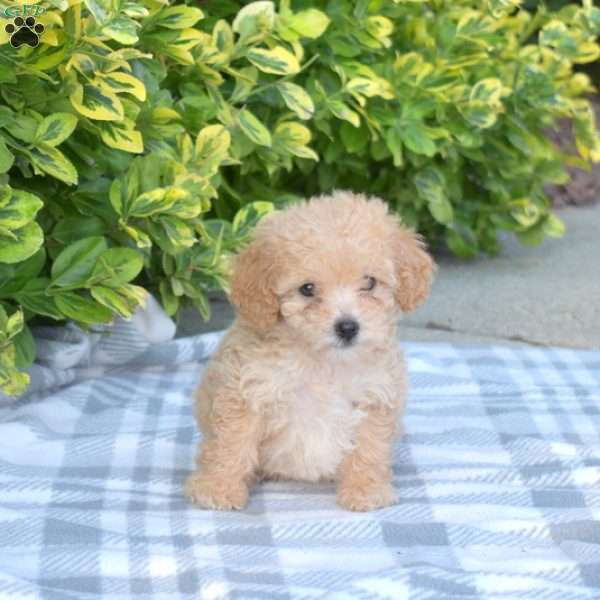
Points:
[(498, 477)]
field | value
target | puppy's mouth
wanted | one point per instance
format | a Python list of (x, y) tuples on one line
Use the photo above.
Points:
[(344, 344)]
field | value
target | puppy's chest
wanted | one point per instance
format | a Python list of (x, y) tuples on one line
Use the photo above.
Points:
[(310, 422)]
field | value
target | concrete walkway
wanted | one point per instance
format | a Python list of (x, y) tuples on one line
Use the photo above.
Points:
[(547, 295)]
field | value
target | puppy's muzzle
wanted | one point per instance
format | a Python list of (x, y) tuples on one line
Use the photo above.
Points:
[(346, 330)]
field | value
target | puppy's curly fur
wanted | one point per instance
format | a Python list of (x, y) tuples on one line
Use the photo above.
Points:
[(287, 395)]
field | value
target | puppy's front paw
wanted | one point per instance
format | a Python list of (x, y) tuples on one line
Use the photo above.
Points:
[(365, 497), (216, 493)]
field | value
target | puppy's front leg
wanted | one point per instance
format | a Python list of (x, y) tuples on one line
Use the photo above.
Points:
[(227, 458), (365, 476)]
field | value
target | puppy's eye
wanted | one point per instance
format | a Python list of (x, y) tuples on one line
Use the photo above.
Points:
[(370, 283), (308, 289)]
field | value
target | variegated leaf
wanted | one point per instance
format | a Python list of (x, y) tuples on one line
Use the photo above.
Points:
[(121, 136), (342, 111), (52, 161), (255, 19), (55, 128), (297, 99), (178, 17), (122, 29), (253, 128), (212, 143), (99, 104), (19, 210), (101, 10), (119, 82), (278, 60)]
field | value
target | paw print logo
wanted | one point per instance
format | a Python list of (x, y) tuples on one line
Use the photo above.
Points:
[(24, 31)]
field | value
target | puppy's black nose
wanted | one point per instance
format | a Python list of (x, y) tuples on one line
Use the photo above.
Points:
[(346, 329)]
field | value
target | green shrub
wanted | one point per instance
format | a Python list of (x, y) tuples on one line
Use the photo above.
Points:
[(142, 139)]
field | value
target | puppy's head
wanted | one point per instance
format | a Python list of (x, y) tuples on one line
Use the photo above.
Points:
[(334, 272)]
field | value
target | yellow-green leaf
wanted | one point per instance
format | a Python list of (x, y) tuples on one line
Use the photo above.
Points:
[(134, 292), (296, 99), (13, 382), (179, 233), (178, 17), (489, 91), (212, 143), (180, 55), (134, 10), (368, 87), (293, 137), (14, 324), (164, 114), (472, 24), (293, 134), (479, 114), (114, 301), (525, 212), (149, 203), (245, 81), (342, 111), (303, 152), (255, 19), (19, 210), (278, 61), (587, 137), (411, 66), (99, 104), (222, 37), (310, 23), (187, 39), (82, 309), (52, 161), (122, 137), (82, 63), (247, 217), (587, 52), (119, 82), (101, 9), (122, 29), (28, 241), (55, 128), (141, 238), (253, 128), (553, 226), (500, 8), (556, 34), (380, 28)]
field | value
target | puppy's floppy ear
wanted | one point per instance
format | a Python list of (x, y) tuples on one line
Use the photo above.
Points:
[(252, 284), (413, 266)]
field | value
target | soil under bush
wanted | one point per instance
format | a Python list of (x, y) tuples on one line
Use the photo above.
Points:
[(584, 187)]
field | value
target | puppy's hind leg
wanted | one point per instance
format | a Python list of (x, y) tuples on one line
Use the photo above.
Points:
[(227, 459), (365, 475)]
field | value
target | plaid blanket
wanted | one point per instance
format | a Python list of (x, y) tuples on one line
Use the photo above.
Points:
[(498, 474)]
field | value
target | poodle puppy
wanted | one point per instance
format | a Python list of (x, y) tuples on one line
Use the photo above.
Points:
[(309, 382)]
